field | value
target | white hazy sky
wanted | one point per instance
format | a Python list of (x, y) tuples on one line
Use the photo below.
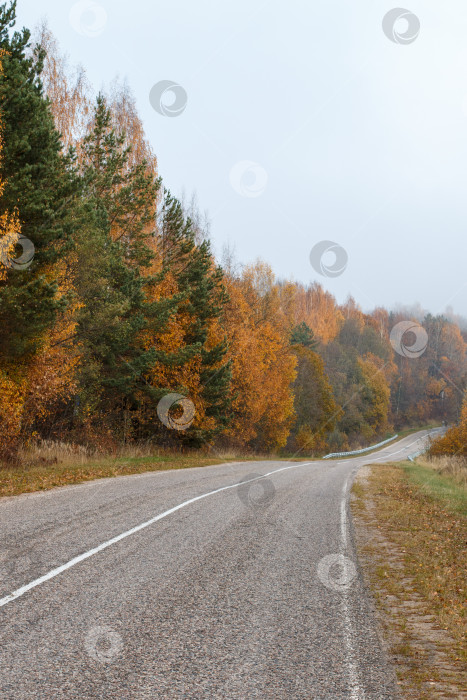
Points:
[(363, 141)]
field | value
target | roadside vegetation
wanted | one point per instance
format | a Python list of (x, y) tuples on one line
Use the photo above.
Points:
[(48, 464), (411, 531), (57, 464), (123, 303)]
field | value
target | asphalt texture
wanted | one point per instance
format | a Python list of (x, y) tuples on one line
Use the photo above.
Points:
[(253, 591)]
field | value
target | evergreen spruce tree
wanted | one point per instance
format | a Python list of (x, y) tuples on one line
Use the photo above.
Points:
[(111, 277), (39, 188), (200, 283), (303, 335)]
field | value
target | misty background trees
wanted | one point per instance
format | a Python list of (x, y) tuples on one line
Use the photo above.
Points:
[(124, 301)]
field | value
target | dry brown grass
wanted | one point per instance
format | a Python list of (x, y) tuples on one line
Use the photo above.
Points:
[(49, 464), (453, 467), (49, 452), (56, 452), (52, 452), (411, 537)]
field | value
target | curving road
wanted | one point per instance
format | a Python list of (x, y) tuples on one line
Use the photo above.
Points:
[(236, 581)]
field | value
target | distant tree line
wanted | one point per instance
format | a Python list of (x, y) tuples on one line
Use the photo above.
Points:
[(124, 303)]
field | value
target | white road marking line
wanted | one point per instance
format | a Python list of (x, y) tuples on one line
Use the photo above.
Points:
[(356, 692), (86, 555), (344, 515)]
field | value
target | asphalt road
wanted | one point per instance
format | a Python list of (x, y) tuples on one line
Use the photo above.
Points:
[(252, 591)]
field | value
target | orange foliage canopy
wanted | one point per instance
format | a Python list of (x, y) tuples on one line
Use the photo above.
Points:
[(263, 364), (454, 442), (312, 305)]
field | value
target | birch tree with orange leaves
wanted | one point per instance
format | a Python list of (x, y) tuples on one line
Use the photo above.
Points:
[(263, 364)]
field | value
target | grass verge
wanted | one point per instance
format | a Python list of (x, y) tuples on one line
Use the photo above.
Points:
[(411, 532), (40, 477), (50, 464)]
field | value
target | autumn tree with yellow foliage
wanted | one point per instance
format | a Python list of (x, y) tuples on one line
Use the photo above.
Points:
[(36, 198), (125, 303), (263, 364)]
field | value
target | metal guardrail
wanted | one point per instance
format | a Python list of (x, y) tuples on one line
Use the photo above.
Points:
[(414, 455), (359, 452)]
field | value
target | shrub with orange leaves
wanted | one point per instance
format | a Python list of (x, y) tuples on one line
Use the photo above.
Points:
[(454, 442)]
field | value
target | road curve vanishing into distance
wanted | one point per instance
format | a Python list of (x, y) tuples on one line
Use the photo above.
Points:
[(235, 581)]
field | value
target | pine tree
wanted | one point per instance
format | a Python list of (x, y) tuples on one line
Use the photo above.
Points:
[(201, 286), (39, 191), (111, 278), (303, 335), (39, 188)]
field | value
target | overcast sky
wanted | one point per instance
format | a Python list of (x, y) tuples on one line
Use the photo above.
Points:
[(354, 138)]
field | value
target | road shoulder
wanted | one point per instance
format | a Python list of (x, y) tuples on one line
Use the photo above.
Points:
[(410, 546)]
